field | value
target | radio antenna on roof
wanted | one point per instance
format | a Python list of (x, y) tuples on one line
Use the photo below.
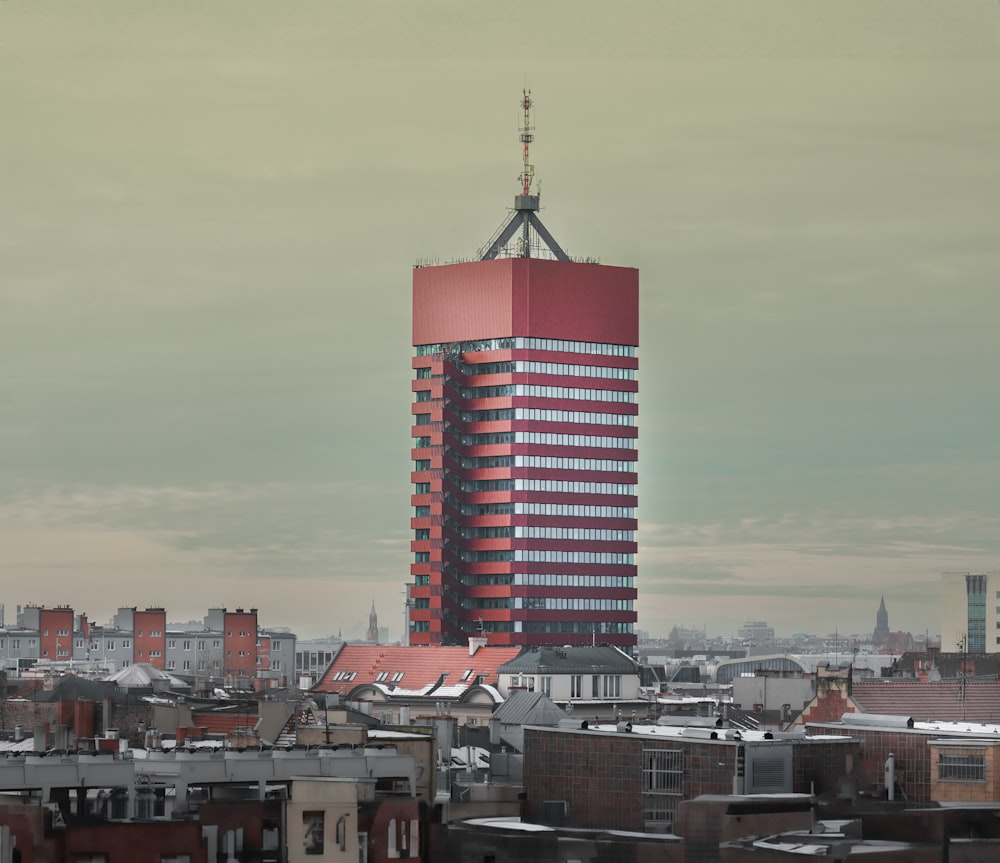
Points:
[(525, 218)]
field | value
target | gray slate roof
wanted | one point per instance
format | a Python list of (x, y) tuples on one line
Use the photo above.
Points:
[(69, 687), (529, 708), (601, 659)]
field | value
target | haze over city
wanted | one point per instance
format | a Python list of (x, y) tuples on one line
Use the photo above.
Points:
[(209, 222)]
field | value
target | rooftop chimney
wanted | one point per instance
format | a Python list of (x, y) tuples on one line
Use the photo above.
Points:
[(475, 642)]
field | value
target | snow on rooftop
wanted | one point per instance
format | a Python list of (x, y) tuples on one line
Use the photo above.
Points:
[(389, 734), (701, 732), (512, 823), (25, 745)]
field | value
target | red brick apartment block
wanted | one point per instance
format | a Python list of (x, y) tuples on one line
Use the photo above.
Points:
[(150, 637)]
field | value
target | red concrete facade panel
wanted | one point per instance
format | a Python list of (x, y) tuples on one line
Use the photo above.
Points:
[(462, 302), (581, 302), (525, 297)]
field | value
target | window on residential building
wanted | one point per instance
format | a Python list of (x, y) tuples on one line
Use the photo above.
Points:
[(612, 686), (187, 645), (545, 685), (171, 644), (595, 686), (187, 665), (275, 645), (576, 686), (961, 767)]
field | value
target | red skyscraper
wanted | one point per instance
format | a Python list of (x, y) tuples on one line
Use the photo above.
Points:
[(524, 444)]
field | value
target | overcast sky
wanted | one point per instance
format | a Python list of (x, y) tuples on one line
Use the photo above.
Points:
[(208, 222)]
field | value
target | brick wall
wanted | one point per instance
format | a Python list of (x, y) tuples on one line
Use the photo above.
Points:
[(969, 790), (822, 767), (599, 775), (913, 761)]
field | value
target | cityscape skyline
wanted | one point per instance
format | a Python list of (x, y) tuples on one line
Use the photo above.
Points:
[(210, 220)]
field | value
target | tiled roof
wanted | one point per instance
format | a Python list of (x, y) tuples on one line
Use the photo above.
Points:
[(417, 671), (947, 700)]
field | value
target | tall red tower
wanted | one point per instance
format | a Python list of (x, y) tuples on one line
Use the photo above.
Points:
[(524, 427)]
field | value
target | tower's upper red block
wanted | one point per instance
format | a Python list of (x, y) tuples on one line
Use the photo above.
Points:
[(525, 297)]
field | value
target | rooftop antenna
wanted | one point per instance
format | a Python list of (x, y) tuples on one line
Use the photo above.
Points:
[(524, 217), (527, 136)]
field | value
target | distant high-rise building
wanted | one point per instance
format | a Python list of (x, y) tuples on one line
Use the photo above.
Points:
[(881, 632), (969, 618), (524, 427), (756, 632)]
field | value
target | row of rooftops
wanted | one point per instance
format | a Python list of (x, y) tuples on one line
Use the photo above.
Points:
[(451, 670)]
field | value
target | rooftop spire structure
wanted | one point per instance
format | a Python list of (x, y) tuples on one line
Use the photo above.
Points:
[(526, 205)]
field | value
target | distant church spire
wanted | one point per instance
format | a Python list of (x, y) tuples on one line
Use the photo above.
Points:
[(881, 632), (372, 625)]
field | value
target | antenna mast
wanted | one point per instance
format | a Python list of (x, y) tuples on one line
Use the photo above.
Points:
[(524, 217), (527, 136)]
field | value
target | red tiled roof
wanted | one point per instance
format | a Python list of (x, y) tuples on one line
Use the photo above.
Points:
[(414, 669), (940, 700)]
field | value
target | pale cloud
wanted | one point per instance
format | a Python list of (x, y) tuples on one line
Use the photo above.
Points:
[(814, 572), (208, 227), (188, 548)]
